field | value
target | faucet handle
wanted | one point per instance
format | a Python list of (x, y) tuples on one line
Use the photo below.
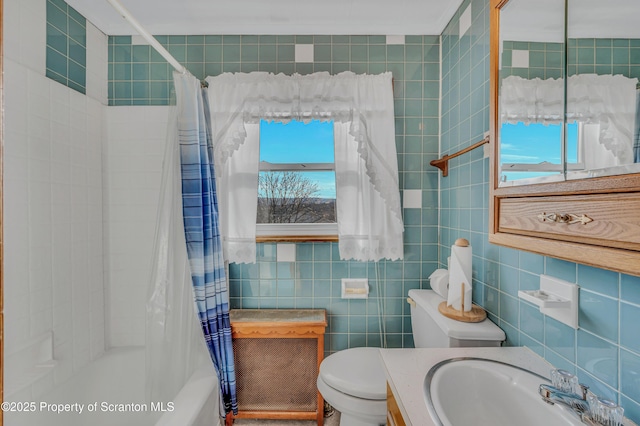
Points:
[(604, 411), (584, 391), (566, 382)]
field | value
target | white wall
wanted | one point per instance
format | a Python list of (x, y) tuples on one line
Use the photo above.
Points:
[(133, 155), (52, 199)]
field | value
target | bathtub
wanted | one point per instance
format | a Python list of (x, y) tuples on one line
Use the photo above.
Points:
[(111, 391)]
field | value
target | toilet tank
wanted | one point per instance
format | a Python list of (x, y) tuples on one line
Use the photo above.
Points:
[(431, 329)]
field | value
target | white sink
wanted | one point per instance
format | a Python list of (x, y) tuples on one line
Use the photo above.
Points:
[(472, 391)]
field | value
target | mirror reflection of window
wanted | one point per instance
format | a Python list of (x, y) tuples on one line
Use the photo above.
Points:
[(530, 151), (531, 91), (603, 67)]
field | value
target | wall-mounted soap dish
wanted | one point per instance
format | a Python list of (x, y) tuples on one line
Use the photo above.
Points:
[(543, 299), (556, 298)]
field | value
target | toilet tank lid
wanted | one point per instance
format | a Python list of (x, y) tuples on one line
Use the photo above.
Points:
[(485, 330)]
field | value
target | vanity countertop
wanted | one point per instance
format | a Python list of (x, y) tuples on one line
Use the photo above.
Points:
[(406, 369)]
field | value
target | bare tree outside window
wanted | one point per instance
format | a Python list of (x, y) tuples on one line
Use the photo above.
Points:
[(292, 197)]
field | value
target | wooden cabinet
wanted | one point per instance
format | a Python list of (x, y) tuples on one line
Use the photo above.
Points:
[(609, 220), (593, 221), (277, 357), (394, 416)]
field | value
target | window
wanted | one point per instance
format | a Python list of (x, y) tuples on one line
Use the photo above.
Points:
[(535, 150), (296, 182)]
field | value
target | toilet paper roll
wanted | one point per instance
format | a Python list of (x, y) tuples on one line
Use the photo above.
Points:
[(460, 276), (439, 281)]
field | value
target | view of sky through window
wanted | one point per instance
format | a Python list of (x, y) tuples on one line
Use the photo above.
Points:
[(535, 144), (296, 142)]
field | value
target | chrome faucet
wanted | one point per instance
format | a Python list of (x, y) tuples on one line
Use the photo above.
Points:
[(578, 403), (565, 390)]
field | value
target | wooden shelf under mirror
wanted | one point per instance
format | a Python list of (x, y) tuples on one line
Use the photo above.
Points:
[(592, 221)]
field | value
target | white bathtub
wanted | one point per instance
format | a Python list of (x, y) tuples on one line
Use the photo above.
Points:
[(111, 391)]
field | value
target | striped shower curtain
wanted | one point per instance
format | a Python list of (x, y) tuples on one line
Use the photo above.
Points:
[(204, 246)]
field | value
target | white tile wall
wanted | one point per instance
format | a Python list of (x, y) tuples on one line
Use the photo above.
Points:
[(520, 58), (97, 64), (25, 32), (304, 53), (285, 252), (133, 154), (412, 199), (53, 219), (52, 197)]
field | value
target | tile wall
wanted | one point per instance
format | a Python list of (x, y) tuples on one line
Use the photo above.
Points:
[(584, 56), (605, 350), (604, 56), (52, 201), (132, 161), (66, 45), (536, 60), (137, 76)]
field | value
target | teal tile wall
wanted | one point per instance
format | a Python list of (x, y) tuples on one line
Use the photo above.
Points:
[(546, 60), (605, 351), (139, 76), (66, 45), (314, 281), (584, 56), (604, 56)]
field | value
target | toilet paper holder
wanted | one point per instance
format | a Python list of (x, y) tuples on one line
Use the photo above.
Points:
[(355, 288)]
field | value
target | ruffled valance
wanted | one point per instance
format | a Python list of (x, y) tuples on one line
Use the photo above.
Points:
[(532, 101)]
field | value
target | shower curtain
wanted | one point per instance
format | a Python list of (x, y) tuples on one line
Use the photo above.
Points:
[(174, 349), (204, 245), (188, 294)]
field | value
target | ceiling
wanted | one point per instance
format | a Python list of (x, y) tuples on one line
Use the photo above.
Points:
[(166, 17)]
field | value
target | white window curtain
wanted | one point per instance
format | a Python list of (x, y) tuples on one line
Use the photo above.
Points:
[(606, 100), (369, 216), (610, 102), (531, 101)]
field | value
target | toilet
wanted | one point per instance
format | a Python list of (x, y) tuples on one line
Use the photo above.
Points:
[(353, 380)]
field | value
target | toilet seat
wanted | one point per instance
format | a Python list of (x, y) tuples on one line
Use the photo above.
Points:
[(357, 372), (353, 410)]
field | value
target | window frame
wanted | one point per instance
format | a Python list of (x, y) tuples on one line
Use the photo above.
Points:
[(546, 166), (297, 232)]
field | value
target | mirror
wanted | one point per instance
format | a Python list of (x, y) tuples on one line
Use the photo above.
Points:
[(603, 66), (595, 131), (531, 91)]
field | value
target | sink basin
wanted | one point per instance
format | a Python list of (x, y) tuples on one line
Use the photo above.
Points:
[(473, 391)]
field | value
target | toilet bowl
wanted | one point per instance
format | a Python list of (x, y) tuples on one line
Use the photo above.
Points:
[(353, 380)]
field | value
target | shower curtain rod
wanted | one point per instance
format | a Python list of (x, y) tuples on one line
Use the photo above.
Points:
[(147, 36)]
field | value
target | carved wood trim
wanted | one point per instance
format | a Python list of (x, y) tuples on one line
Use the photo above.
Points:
[(296, 238)]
